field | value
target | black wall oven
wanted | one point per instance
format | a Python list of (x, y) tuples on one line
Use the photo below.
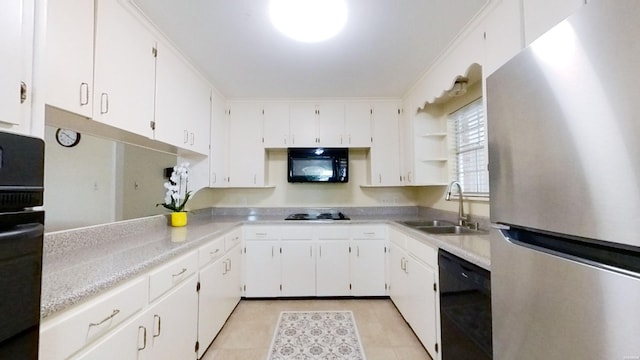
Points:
[(21, 235)]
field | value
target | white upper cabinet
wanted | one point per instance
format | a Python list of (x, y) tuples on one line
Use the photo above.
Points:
[(182, 111), (69, 56), (331, 125), (246, 153), (502, 35), (319, 124), (385, 149), (124, 86), (357, 124), (218, 155), (16, 35), (304, 128), (275, 117), (542, 15)]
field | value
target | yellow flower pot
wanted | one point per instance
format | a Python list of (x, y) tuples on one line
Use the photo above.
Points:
[(179, 218)]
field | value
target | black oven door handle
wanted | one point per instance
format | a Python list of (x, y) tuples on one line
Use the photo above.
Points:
[(22, 231)]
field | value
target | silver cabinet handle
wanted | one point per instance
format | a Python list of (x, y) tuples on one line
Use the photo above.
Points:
[(159, 325), (358, 250), (193, 138), (215, 178), (229, 264), (320, 251), (214, 252), (184, 270), (144, 337), (104, 103), (113, 314), (186, 136), (84, 94)]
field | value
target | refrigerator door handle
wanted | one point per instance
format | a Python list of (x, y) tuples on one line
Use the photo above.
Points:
[(500, 226)]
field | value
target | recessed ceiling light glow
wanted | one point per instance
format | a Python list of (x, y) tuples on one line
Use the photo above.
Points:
[(308, 20)]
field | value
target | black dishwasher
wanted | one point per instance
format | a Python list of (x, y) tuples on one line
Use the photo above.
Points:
[(465, 309)]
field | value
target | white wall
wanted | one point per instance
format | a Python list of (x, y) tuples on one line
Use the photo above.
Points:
[(80, 182), (285, 194)]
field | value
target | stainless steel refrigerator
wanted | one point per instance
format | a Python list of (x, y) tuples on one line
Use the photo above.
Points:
[(564, 160)]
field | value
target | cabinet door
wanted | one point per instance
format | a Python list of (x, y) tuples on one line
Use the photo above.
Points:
[(358, 124), (174, 329), (368, 267), (246, 153), (398, 279), (332, 266), (423, 310), (262, 269), (385, 149), (298, 268), (276, 124), (303, 125), (231, 287), (182, 103), (218, 155), (331, 125), (211, 313), (503, 35), (69, 55), (124, 70), (16, 30), (542, 15)]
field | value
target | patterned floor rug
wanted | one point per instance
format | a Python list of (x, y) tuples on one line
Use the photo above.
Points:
[(311, 335)]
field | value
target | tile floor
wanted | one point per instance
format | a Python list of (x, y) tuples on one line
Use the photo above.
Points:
[(248, 332)]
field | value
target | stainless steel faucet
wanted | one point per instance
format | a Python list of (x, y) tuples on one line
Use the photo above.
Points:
[(461, 217)]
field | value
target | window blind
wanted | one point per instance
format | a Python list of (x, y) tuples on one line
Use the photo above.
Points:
[(469, 149)]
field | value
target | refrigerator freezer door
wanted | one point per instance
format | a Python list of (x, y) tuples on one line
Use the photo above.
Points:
[(563, 128), (548, 307)]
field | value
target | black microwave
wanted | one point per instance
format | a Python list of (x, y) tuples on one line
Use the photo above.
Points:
[(324, 165)]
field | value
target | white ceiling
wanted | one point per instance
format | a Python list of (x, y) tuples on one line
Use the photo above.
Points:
[(383, 50)]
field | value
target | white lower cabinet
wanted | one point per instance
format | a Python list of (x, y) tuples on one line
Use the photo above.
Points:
[(298, 268), (414, 284), (166, 330), (315, 260), (262, 268), (219, 294), (332, 268), (368, 271)]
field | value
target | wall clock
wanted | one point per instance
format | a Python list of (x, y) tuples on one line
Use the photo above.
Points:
[(67, 138)]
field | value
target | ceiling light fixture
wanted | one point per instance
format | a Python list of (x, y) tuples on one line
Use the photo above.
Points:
[(308, 20)]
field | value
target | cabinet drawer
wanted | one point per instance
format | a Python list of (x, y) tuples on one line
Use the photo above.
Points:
[(261, 232), (337, 232), (171, 274), (232, 239), (369, 232), (423, 252), (211, 252), (292, 232), (64, 335)]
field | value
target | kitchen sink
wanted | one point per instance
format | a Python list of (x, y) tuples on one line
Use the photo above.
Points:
[(442, 227), (428, 223), (449, 230)]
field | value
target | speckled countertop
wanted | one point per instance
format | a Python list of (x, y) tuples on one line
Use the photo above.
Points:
[(82, 263)]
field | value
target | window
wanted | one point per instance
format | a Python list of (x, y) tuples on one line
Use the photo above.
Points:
[(469, 149)]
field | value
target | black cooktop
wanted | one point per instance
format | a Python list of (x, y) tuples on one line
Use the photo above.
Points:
[(317, 216)]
